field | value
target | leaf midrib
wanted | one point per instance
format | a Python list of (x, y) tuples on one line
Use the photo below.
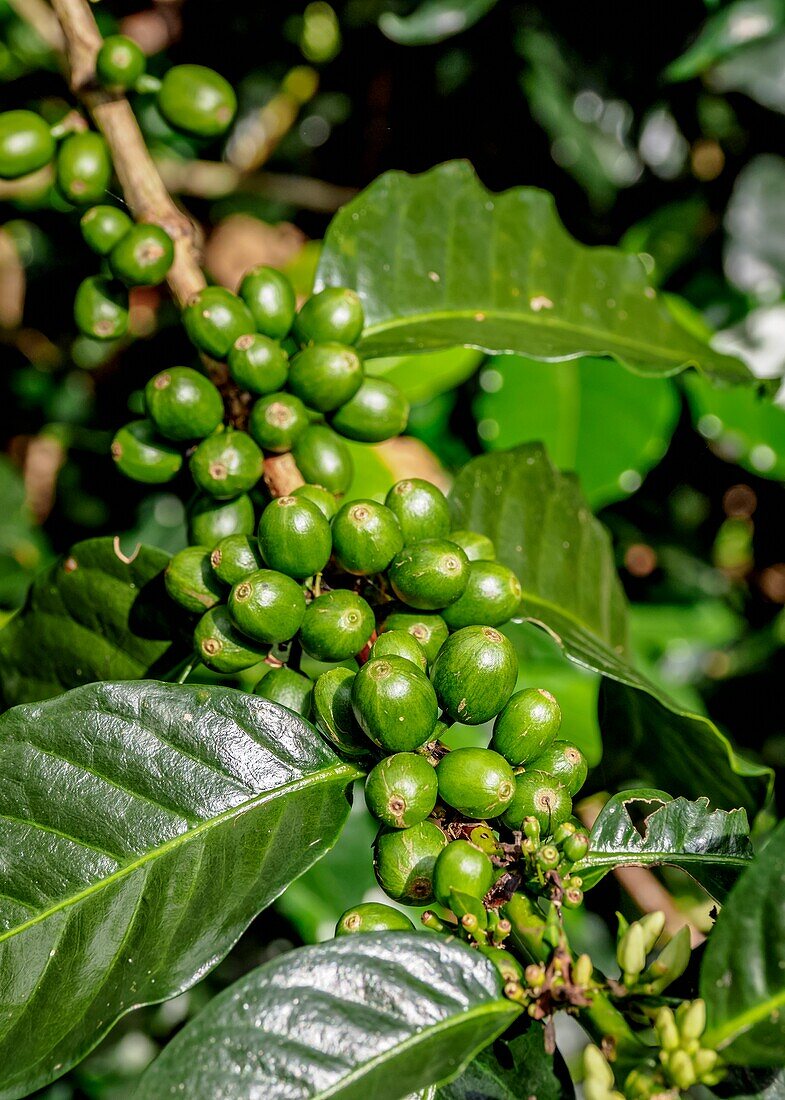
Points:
[(737, 1025), (640, 859), (629, 342), (501, 1008), (314, 778)]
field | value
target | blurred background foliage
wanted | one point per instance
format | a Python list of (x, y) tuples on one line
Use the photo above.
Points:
[(657, 127)]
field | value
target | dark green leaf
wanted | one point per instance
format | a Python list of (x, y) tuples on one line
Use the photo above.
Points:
[(142, 826), (509, 1071), (383, 1015), (440, 261), (711, 845), (729, 31), (544, 530), (743, 971), (567, 406), (433, 21), (94, 615)]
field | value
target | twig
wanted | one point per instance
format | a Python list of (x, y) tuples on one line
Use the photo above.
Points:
[(144, 190), (211, 179), (42, 19)]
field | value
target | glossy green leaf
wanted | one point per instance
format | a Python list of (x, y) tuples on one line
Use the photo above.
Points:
[(568, 406), (543, 529), (713, 846), (743, 971), (382, 1015), (23, 546), (729, 31), (510, 1070), (743, 427), (433, 21), (142, 827), (423, 377), (93, 615), (438, 261)]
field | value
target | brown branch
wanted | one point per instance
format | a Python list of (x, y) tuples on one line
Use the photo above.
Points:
[(144, 190), (42, 19)]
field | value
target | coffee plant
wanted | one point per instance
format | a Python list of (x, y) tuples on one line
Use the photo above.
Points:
[(187, 721)]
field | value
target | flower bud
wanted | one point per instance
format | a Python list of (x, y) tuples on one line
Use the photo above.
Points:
[(691, 1018), (596, 1067), (671, 962), (667, 1032), (652, 925), (681, 1070), (704, 1062), (595, 1090), (631, 953), (582, 970)]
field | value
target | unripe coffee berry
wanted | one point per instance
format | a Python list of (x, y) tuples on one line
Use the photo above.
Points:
[(372, 916), (366, 537), (474, 674), (477, 782), (270, 297), (404, 860), (333, 314), (190, 581), (400, 643), (401, 790), (491, 597), (294, 537), (337, 625), (324, 500), (287, 688), (507, 965), (101, 308), (257, 363), (267, 606), (210, 520), (476, 547), (183, 404), (394, 704), (334, 716), (576, 847), (226, 464), (540, 796), (421, 508), (141, 455), (429, 574), (220, 644), (378, 410), (120, 62), (142, 256), (429, 630), (84, 167), (103, 227), (235, 557), (462, 867), (26, 144), (323, 458), (277, 421), (215, 318), (325, 376), (566, 762), (197, 100), (527, 726)]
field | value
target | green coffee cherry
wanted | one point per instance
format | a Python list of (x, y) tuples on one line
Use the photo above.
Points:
[(539, 796), (429, 630), (235, 557), (287, 688), (474, 674), (101, 308), (394, 704), (84, 168), (372, 916), (477, 782), (120, 62), (377, 411), (421, 508), (491, 598), (325, 376), (103, 227), (566, 762), (332, 704), (401, 790), (476, 547), (323, 458), (366, 537), (294, 537), (215, 319), (508, 966), (267, 606), (197, 100), (220, 644), (404, 859), (226, 464), (142, 456), (576, 847), (460, 866), (527, 726), (334, 314), (191, 582), (142, 256), (277, 421), (257, 363), (25, 144), (210, 520), (183, 404), (337, 625), (400, 643), (323, 499), (429, 574), (270, 297)]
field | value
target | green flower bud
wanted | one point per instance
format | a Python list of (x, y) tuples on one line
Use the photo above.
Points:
[(596, 1067), (691, 1018), (582, 970), (681, 1070), (705, 1061), (595, 1090), (652, 925), (631, 953), (671, 962), (667, 1032)]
